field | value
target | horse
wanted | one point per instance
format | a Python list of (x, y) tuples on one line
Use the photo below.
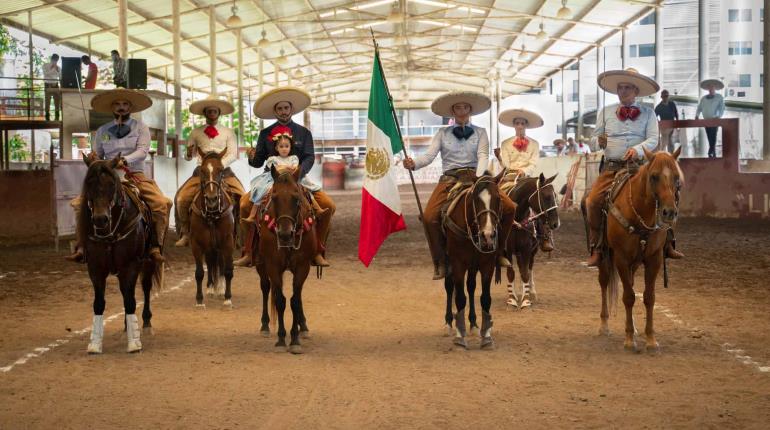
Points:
[(211, 230), (536, 211), (288, 242), (116, 228), (636, 228), (473, 225)]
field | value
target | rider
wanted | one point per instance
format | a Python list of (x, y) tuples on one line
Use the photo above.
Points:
[(519, 154), (130, 138), (207, 138), (622, 131), (281, 103), (463, 146)]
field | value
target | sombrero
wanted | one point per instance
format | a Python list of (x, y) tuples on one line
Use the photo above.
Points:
[(609, 81), (103, 102), (442, 106), (264, 107), (507, 116), (716, 82), (225, 108)]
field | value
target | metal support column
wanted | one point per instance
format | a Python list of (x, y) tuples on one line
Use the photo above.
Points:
[(123, 28), (261, 83), (766, 88), (700, 148), (563, 107), (658, 48), (213, 49), (241, 116), (623, 48), (176, 35), (31, 93), (579, 130)]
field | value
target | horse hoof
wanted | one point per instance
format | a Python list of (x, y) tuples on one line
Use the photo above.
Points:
[(200, 306), (304, 334), (148, 330), (94, 348), (448, 330), (295, 349), (134, 346), (630, 347), (211, 292), (280, 344), (228, 304), (533, 296), (653, 348), (604, 331), (460, 341), (513, 304), (487, 343)]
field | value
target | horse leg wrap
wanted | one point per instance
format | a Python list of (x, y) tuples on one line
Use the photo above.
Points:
[(97, 335), (460, 323), (133, 333), (486, 324)]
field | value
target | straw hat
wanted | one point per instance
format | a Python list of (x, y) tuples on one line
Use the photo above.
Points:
[(609, 81), (225, 108), (103, 102), (507, 116), (442, 106), (716, 82), (264, 107)]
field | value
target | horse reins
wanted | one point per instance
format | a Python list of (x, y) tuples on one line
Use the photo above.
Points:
[(119, 199), (476, 239), (297, 231)]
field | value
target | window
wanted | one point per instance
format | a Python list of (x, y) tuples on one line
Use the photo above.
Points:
[(746, 15), (648, 20), (741, 93), (739, 48), (732, 15), (744, 80), (762, 14), (761, 79), (573, 97), (762, 48), (739, 15), (647, 50), (632, 51)]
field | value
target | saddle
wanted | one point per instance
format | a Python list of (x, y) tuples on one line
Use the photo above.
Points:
[(462, 183), (132, 193), (622, 175)]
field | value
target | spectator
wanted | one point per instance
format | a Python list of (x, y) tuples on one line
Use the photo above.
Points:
[(119, 71), (582, 146), (571, 146), (561, 147), (712, 106), (52, 76), (93, 72), (666, 111)]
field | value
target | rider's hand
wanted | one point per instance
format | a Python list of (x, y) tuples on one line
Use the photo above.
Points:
[(629, 155), (122, 163), (188, 152), (602, 141), (409, 163)]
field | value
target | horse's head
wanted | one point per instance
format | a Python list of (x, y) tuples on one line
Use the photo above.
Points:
[(101, 190), (286, 205), (664, 178), (211, 173), (543, 201), (487, 209)]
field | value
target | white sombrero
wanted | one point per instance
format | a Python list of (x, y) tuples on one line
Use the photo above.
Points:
[(264, 107), (225, 108), (716, 82), (442, 106), (103, 102), (609, 81), (507, 116)]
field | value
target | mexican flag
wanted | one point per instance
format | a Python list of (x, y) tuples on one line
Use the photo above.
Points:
[(380, 202)]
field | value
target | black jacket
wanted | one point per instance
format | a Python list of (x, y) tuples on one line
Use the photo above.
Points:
[(303, 147)]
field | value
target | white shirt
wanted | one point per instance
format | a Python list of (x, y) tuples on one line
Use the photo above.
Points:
[(51, 72), (582, 148), (458, 153), (526, 160), (628, 134), (225, 139)]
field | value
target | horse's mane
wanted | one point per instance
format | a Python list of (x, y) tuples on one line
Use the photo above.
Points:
[(96, 168)]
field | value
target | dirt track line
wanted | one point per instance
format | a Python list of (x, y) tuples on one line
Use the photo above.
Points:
[(39, 351), (737, 353)]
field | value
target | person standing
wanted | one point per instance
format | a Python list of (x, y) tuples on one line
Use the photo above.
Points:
[(52, 76), (666, 111), (93, 72), (119, 70), (712, 106)]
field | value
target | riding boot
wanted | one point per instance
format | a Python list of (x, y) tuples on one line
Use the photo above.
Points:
[(546, 244), (502, 260), (437, 250), (183, 241), (157, 235), (248, 245), (671, 251), (596, 255), (319, 259), (77, 256)]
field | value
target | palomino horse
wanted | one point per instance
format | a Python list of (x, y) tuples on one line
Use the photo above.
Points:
[(644, 209), (211, 230), (536, 204), (288, 242), (117, 231), (472, 235)]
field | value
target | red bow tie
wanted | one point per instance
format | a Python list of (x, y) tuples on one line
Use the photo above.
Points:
[(211, 131), (521, 143), (628, 112)]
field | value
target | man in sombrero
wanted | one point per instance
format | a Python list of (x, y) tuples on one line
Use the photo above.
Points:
[(281, 104), (622, 130), (711, 106), (209, 137), (130, 138), (463, 146)]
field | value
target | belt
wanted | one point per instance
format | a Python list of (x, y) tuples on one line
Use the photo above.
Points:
[(453, 175)]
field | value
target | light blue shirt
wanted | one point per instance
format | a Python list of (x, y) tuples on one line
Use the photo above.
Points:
[(133, 146), (458, 153), (711, 107), (622, 135)]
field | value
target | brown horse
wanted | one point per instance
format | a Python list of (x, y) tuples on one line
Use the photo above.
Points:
[(117, 243), (645, 208), (473, 226), (211, 230), (288, 242)]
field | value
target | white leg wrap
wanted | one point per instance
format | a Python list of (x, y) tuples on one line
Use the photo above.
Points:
[(133, 333), (97, 335)]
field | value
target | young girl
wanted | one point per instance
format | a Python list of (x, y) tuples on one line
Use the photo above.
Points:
[(519, 154)]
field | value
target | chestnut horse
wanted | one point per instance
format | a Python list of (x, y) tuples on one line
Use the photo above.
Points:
[(645, 208), (287, 242), (211, 230)]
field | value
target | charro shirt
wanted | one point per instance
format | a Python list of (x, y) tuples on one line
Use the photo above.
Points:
[(225, 139), (133, 146), (525, 160), (472, 152), (303, 147), (623, 135)]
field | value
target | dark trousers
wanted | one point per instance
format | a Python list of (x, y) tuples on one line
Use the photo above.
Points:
[(711, 135)]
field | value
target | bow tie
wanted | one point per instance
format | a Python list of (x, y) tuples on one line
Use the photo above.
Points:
[(521, 143), (119, 131), (211, 131), (628, 112), (462, 132)]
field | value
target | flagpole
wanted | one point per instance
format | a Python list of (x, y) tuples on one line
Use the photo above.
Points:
[(395, 118)]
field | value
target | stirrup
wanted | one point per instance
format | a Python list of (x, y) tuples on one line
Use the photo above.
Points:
[(156, 255), (503, 261), (594, 259), (672, 253)]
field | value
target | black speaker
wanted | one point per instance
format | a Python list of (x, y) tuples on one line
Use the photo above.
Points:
[(70, 72), (137, 73)]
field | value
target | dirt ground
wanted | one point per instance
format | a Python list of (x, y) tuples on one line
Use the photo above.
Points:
[(378, 357)]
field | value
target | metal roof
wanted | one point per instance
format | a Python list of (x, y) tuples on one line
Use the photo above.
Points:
[(427, 46)]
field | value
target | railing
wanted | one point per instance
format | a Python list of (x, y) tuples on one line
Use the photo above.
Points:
[(24, 99)]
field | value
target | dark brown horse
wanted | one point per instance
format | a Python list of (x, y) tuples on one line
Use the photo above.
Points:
[(473, 231), (288, 242), (211, 230), (117, 242), (646, 207)]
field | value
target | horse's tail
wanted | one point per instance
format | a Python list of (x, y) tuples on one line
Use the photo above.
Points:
[(612, 282)]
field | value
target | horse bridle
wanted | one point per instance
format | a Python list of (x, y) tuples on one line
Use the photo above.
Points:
[(476, 238), (213, 215), (657, 226), (540, 202), (119, 199), (297, 231)]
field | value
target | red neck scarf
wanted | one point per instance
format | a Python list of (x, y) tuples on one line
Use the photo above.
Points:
[(628, 112), (520, 143), (211, 131)]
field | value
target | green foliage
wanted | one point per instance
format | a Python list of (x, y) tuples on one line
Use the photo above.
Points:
[(8, 45), (18, 148), (250, 130)]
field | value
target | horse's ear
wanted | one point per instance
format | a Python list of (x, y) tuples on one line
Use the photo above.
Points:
[(200, 152), (86, 159), (222, 154), (549, 180), (647, 154), (114, 162), (677, 152), (541, 179), (274, 172)]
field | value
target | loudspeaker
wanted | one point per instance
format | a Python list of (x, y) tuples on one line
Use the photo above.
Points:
[(70, 72), (137, 73)]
